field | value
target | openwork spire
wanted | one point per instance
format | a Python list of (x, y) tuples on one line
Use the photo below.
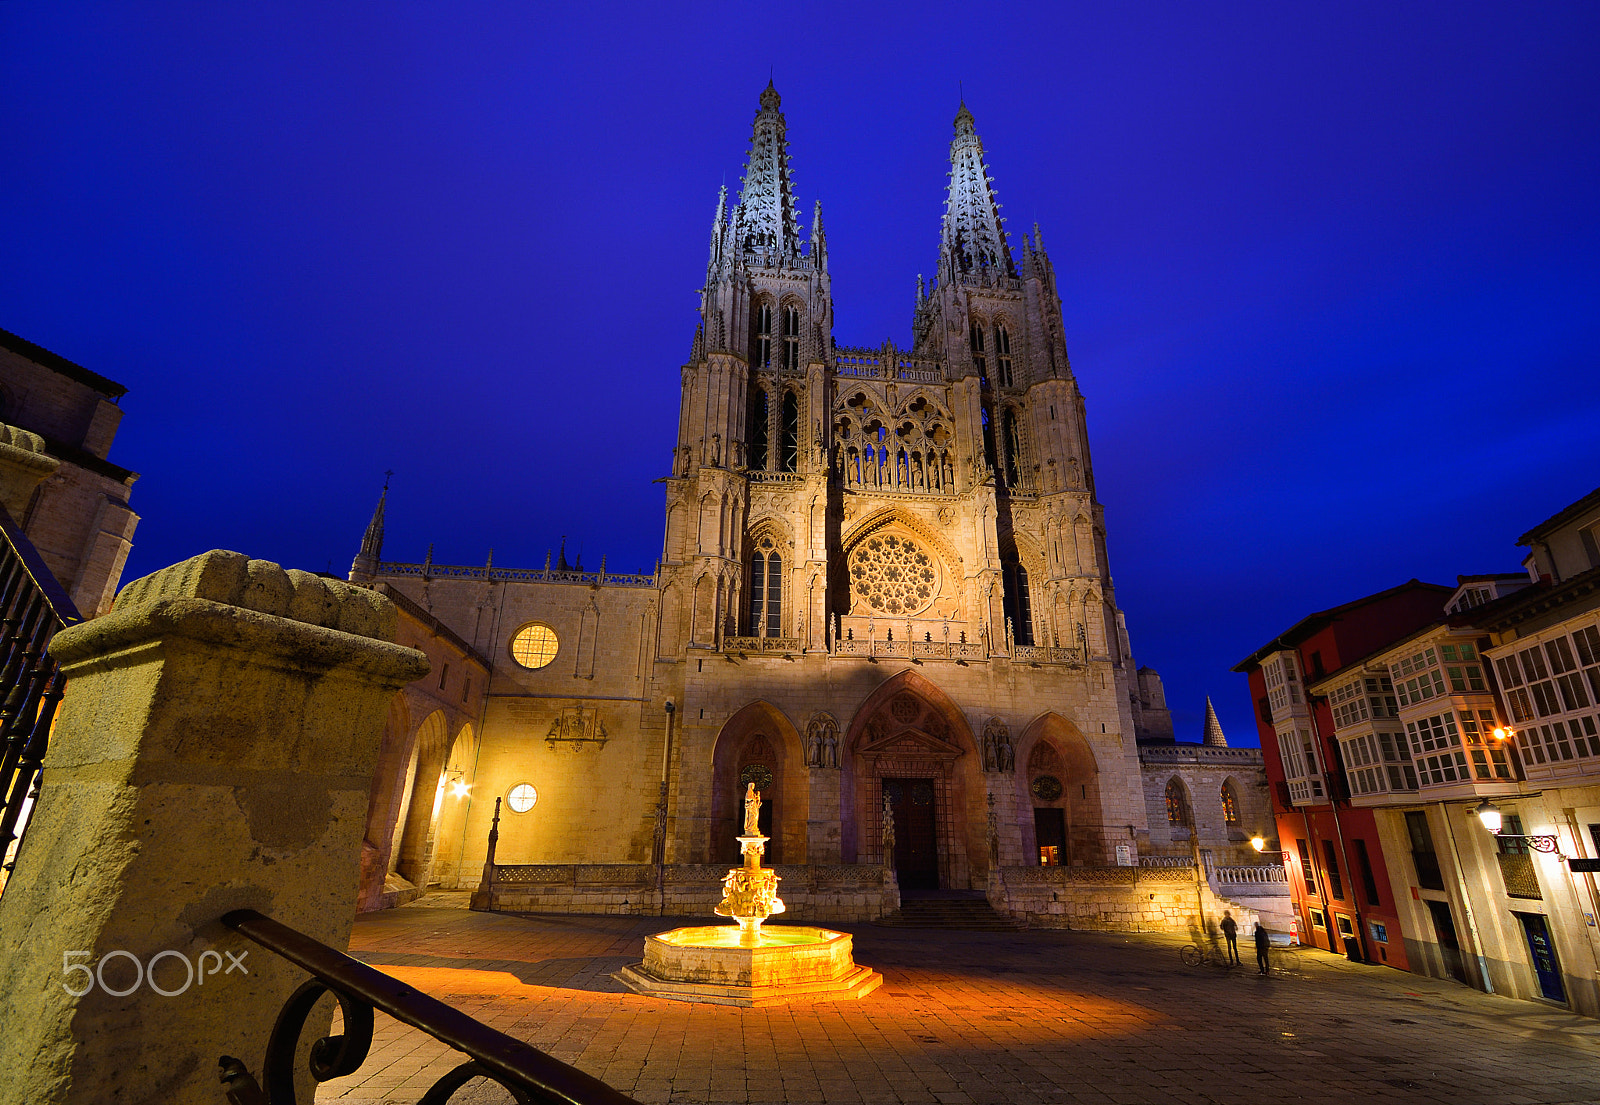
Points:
[(765, 218), (372, 540), (974, 233), (365, 564), (719, 229), (1213, 735)]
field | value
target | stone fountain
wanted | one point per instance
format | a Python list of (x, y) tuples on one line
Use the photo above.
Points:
[(745, 964)]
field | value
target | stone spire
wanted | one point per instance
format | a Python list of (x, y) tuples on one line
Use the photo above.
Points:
[(765, 218), (974, 235), (719, 230), (819, 240), (1213, 735), (365, 565)]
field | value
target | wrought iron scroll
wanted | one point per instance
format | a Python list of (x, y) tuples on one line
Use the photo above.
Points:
[(33, 606), (530, 1075)]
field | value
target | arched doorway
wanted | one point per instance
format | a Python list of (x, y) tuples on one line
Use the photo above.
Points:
[(759, 744), (909, 742), (1058, 796)]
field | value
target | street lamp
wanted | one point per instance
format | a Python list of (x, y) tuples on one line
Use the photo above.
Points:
[(1258, 842), (1489, 814)]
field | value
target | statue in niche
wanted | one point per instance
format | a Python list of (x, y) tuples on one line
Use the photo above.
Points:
[(752, 810), (832, 743)]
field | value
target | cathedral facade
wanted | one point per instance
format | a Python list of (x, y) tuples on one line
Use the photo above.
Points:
[(883, 586)]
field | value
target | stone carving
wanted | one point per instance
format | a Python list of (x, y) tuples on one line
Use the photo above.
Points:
[(998, 754), (1046, 788), (577, 726), (822, 741), (888, 830)]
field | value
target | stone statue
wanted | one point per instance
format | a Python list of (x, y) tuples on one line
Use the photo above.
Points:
[(832, 743), (752, 810), (888, 831)]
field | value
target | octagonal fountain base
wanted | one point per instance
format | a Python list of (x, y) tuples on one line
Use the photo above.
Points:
[(788, 964)]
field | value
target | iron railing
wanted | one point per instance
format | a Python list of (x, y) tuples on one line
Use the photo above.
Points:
[(33, 606), (531, 1076)]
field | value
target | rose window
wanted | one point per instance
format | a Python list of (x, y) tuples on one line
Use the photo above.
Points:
[(893, 574)]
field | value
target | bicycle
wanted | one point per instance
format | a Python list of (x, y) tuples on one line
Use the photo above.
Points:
[(1193, 955)]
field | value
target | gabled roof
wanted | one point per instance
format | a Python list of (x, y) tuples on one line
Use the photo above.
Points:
[(1560, 517), (1311, 623), (39, 355)]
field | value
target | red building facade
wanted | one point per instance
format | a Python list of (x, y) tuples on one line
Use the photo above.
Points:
[(1341, 887)]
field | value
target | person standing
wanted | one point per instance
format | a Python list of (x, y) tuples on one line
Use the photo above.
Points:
[(1230, 929), (1262, 944)]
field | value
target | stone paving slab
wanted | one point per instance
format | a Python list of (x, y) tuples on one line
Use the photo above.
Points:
[(970, 1018)]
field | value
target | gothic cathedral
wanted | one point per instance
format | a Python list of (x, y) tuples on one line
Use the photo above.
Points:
[(883, 587)]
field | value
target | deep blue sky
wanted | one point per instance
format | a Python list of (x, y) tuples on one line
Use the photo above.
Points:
[(1329, 270)]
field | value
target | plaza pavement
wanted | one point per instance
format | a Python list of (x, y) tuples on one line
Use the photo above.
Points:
[(979, 1017)]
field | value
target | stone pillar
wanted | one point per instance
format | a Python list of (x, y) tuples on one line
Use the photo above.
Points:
[(214, 752)]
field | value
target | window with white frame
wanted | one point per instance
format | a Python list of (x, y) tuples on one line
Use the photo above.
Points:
[(1283, 687), (1436, 746), (1300, 764)]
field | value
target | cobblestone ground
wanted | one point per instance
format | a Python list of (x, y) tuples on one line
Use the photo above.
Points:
[(970, 1017)]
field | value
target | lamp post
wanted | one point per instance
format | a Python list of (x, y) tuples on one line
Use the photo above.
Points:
[(1489, 814)]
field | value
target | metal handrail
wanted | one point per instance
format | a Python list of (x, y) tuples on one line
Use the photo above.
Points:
[(529, 1074), (33, 606)]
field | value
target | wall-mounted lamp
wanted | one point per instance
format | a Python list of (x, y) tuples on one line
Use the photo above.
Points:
[(1489, 814), (1258, 842)]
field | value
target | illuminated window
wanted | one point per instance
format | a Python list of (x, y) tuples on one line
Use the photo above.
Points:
[(522, 797), (1230, 804), (1177, 808), (534, 646)]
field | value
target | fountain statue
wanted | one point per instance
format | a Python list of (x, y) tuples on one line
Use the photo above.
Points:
[(750, 893), (745, 964)]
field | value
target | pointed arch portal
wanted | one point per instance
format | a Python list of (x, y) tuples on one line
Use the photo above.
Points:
[(909, 742)]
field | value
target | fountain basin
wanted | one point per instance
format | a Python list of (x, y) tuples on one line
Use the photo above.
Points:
[(789, 963)]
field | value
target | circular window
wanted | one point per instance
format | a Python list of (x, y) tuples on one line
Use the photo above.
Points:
[(1047, 788), (893, 574), (534, 646), (522, 798), (757, 774)]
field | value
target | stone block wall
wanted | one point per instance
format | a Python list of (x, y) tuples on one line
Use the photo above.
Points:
[(1113, 899), (820, 893)]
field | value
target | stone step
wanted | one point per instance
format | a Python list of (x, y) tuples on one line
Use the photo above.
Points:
[(946, 913)]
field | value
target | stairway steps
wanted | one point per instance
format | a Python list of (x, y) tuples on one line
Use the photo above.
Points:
[(935, 913)]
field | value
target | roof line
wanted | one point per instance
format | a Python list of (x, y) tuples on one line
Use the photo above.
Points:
[(39, 355)]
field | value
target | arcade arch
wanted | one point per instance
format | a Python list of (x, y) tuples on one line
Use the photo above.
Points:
[(758, 743), (1058, 795)]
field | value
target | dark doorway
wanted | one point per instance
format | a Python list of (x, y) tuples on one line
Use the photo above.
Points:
[(1050, 829), (1543, 952), (1444, 927), (916, 847)]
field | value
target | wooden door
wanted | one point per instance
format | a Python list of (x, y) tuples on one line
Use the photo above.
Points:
[(916, 838)]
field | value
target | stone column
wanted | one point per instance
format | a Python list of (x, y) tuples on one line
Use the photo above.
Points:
[(214, 751)]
